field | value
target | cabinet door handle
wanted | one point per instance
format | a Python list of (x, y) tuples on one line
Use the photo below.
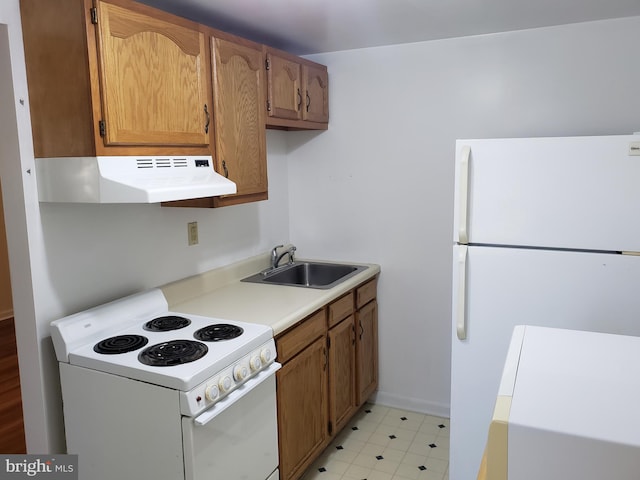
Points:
[(353, 334), (361, 329), (208, 117), (299, 98), (224, 167), (326, 359), (308, 101)]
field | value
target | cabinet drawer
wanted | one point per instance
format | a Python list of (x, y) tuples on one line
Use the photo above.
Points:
[(293, 341), (341, 308), (367, 292)]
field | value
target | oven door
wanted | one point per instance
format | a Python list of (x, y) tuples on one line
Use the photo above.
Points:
[(238, 437)]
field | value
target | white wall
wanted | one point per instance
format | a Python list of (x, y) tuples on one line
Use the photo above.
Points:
[(378, 186), (65, 258)]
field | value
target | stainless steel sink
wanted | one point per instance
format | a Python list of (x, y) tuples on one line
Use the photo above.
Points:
[(307, 274)]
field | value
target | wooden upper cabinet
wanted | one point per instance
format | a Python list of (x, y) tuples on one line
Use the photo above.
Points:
[(154, 80), (238, 120), (115, 78), (297, 92), (240, 137), (285, 86), (316, 85)]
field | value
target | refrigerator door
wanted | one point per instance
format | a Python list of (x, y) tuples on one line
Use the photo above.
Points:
[(571, 192), (504, 287)]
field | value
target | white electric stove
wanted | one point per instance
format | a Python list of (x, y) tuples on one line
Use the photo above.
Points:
[(150, 393)]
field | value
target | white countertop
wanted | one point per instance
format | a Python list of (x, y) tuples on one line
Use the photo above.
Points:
[(220, 293), (577, 383), (568, 407)]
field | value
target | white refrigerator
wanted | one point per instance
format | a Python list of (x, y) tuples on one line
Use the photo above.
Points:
[(545, 231)]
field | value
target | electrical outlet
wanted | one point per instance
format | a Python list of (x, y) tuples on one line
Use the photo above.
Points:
[(192, 233)]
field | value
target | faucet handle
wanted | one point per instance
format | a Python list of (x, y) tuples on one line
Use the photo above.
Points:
[(274, 255)]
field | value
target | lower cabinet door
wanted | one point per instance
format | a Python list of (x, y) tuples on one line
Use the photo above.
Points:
[(367, 350), (302, 409), (342, 373)]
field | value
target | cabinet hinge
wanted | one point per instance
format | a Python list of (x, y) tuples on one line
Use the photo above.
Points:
[(103, 128), (268, 106), (267, 63), (94, 15), (330, 428)]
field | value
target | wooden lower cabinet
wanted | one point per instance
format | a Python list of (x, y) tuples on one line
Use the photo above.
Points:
[(330, 368), (302, 409), (367, 350), (342, 374)]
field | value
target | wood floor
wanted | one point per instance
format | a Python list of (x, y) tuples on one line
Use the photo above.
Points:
[(11, 423)]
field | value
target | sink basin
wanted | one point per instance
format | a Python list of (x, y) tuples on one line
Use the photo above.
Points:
[(308, 274)]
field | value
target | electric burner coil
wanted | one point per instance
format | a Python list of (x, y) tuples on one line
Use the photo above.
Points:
[(218, 332), (120, 344), (173, 352), (167, 323)]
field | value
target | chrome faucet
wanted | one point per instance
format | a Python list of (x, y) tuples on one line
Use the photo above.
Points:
[(275, 258)]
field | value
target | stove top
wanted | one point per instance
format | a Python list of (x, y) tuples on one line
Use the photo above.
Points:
[(137, 337)]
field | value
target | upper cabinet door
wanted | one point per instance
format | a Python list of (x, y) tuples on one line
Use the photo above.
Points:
[(153, 78), (316, 102), (285, 87), (238, 80), (297, 92)]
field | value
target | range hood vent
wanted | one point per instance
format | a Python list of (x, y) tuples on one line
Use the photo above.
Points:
[(129, 179)]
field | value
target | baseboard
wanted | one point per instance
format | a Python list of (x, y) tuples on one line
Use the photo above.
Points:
[(411, 404)]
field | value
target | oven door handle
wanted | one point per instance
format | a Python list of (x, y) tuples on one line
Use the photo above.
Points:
[(237, 394)]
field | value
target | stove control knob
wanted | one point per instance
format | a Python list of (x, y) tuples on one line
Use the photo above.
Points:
[(265, 355), (255, 363), (212, 392), (240, 373), (225, 383)]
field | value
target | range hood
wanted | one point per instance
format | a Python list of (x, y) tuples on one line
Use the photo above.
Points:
[(136, 179)]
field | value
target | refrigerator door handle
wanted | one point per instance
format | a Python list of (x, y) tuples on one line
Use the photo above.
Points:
[(461, 320), (463, 192)]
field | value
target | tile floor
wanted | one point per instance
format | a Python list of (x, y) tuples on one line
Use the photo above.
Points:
[(383, 443)]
